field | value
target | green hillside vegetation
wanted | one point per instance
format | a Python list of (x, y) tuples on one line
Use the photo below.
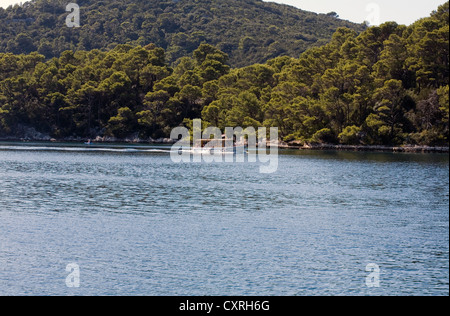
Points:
[(386, 86), (249, 31)]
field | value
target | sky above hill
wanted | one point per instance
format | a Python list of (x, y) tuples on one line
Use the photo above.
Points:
[(373, 11)]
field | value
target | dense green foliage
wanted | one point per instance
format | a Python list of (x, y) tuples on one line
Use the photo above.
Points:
[(249, 31), (387, 85)]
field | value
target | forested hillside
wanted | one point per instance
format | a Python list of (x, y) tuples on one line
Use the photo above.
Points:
[(388, 85), (249, 31)]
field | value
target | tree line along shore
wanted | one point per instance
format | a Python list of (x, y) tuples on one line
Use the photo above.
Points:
[(387, 86)]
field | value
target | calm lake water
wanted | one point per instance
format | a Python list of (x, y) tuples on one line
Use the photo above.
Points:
[(135, 223)]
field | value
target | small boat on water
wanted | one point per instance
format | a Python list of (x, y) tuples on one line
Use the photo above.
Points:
[(222, 146), (89, 142)]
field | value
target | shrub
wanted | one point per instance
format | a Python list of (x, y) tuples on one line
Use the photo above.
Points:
[(350, 136), (324, 136)]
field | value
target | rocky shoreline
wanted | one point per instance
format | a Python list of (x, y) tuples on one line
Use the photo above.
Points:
[(281, 145), (31, 135), (34, 136)]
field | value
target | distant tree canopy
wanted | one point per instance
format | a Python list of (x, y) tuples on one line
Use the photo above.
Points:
[(249, 31), (388, 85)]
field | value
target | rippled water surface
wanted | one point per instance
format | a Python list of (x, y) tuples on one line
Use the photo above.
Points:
[(138, 224)]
